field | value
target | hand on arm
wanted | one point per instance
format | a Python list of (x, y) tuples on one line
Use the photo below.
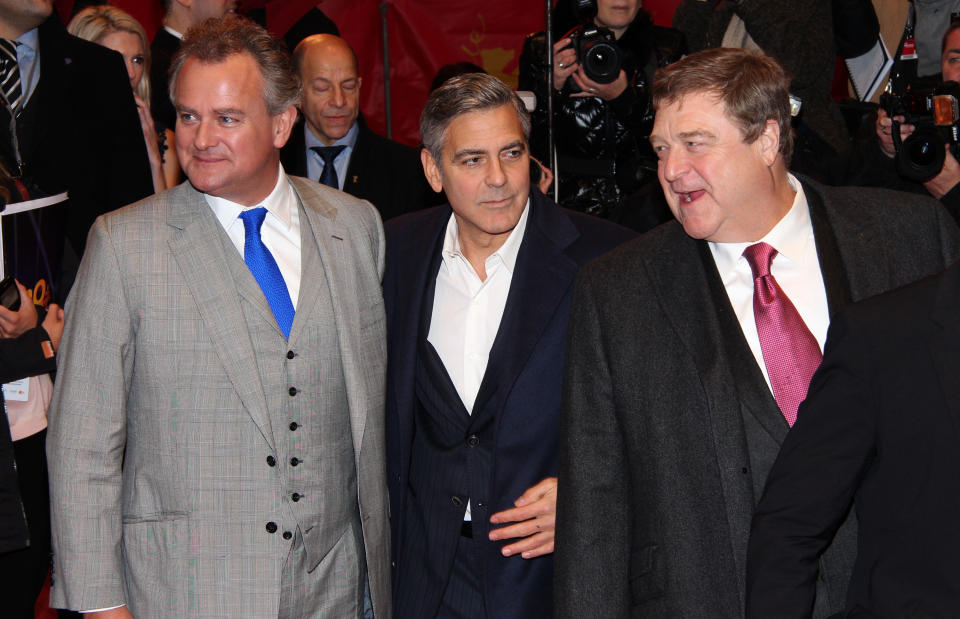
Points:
[(564, 63), (53, 324), (15, 324), (532, 519)]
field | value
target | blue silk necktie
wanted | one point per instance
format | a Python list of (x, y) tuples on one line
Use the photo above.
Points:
[(328, 154), (265, 270)]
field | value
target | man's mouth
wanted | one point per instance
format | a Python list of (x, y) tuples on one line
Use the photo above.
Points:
[(689, 196)]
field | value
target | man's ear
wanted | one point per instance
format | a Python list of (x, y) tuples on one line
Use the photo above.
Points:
[(282, 125), (431, 169), (769, 141)]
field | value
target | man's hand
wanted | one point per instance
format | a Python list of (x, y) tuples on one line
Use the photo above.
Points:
[(535, 516), (949, 176), (121, 612), (884, 125), (546, 176), (14, 324), (607, 92), (53, 324)]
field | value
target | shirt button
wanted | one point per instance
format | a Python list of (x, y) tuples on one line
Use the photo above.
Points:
[(292, 391), (296, 496), (271, 527), (473, 440), (294, 461), (271, 461), (293, 426), (287, 535), (457, 501), (291, 354)]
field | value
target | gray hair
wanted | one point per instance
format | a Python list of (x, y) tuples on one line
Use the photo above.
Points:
[(216, 39), (471, 92)]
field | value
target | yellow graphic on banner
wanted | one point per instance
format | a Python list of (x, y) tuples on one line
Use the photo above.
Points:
[(493, 60)]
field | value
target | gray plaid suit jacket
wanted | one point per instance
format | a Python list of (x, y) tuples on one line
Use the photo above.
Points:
[(159, 425)]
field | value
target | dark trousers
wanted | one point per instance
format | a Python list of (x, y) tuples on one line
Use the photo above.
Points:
[(22, 572), (463, 597)]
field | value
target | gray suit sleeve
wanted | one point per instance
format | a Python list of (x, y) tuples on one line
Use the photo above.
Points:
[(592, 545), (87, 433)]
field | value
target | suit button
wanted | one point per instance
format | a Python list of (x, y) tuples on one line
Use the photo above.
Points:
[(291, 354), (271, 527), (457, 501), (294, 461), (296, 496), (287, 535), (293, 426), (292, 391), (473, 440), (271, 461)]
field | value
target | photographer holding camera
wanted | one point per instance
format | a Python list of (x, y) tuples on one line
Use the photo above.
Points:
[(602, 113), (913, 163)]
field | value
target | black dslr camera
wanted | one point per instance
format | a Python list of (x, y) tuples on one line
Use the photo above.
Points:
[(596, 48), (935, 113)]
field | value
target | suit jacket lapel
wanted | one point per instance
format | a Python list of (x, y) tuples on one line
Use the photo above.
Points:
[(701, 316), (330, 237), (946, 342), (542, 277), (203, 263)]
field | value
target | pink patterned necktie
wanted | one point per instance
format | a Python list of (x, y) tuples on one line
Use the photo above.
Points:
[(790, 351)]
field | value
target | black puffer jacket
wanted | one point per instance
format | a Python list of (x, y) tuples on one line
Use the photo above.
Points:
[(602, 146)]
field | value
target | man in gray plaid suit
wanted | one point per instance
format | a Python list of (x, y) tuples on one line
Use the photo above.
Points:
[(216, 434)]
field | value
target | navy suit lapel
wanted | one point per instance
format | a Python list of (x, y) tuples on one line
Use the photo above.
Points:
[(542, 276)]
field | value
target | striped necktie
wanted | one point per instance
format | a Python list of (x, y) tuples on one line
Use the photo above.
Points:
[(10, 74)]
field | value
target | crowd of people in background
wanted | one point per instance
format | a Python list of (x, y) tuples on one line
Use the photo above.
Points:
[(677, 338)]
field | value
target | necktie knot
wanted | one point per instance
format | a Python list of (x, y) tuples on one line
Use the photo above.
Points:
[(760, 256), (253, 220), (329, 154)]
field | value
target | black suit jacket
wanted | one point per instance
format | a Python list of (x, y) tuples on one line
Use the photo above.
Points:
[(20, 357), (384, 172), (80, 133), (164, 46), (881, 429), (515, 416), (669, 428)]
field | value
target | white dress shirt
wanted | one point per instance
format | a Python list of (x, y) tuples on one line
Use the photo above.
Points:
[(467, 310), (280, 231), (795, 267)]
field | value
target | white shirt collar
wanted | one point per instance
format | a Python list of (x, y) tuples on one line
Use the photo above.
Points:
[(791, 237), (278, 203), (506, 253), (173, 32)]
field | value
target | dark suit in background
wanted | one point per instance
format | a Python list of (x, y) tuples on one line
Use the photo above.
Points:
[(384, 172), (164, 46), (439, 455), (669, 427), (880, 429), (80, 133)]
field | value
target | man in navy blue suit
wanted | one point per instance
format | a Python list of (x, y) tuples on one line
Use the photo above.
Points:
[(477, 295)]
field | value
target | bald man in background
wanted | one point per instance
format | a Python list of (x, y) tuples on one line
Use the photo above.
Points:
[(331, 129)]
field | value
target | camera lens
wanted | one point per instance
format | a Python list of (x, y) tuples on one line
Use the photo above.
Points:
[(922, 155), (601, 62)]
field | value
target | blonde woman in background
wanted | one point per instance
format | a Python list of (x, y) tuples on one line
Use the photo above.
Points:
[(117, 30)]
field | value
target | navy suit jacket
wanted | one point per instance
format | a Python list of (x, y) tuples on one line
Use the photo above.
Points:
[(515, 417)]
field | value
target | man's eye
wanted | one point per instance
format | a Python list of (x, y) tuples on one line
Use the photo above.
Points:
[(185, 117), (228, 120), (471, 161), (515, 153)]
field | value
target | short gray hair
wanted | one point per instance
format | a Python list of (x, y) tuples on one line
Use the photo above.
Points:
[(216, 39), (471, 92)]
